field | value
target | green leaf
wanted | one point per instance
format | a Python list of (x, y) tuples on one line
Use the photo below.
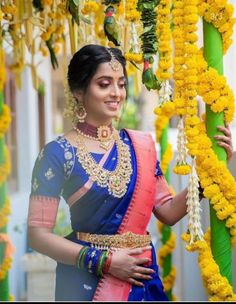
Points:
[(85, 19), (76, 2), (148, 28)]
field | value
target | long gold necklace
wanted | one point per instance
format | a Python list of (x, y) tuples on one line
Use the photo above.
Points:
[(116, 181)]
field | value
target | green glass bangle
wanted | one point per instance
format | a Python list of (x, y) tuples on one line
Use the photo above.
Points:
[(80, 255), (81, 262), (101, 263)]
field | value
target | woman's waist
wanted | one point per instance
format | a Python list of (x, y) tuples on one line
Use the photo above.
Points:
[(124, 240)]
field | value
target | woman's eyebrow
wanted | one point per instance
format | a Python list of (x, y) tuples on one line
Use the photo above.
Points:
[(110, 78)]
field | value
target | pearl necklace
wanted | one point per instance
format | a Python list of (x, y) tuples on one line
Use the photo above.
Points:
[(116, 181)]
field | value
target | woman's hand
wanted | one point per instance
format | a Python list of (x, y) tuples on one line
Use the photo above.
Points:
[(127, 267), (225, 140)]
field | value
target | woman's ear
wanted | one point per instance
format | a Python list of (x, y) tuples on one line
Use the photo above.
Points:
[(78, 94)]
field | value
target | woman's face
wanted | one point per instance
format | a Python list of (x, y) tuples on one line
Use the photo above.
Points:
[(105, 95)]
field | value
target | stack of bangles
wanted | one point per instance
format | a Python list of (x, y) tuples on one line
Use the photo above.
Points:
[(94, 260)]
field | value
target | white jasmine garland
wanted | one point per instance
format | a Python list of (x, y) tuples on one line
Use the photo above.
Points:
[(181, 144), (165, 92), (193, 209)]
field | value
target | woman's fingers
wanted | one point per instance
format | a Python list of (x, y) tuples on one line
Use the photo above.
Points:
[(136, 251), (225, 141), (143, 270), (135, 282)]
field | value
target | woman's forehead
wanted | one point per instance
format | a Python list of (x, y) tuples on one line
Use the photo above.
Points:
[(105, 70)]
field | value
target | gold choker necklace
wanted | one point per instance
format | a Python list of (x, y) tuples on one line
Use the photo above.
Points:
[(104, 134), (116, 181)]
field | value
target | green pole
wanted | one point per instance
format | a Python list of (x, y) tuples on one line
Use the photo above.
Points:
[(166, 230), (220, 237), (4, 288)]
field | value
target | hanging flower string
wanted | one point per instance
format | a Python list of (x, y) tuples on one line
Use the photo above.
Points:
[(217, 286), (182, 166), (164, 49), (149, 41), (193, 206)]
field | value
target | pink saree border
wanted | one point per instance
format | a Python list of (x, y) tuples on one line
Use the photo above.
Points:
[(136, 218)]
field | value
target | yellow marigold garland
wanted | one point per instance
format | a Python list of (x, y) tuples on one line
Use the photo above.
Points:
[(7, 260), (164, 113), (90, 7), (5, 120), (167, 157), (5, 168), (217, 286), (164, 40), (164, 251), (168, 281), (2, 69), (220, 14), (5, 211), (178, 38)]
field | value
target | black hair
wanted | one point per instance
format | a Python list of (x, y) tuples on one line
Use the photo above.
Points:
[(85, 62)]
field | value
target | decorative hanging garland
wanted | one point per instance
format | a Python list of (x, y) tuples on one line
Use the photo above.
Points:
[(220, 14), (217, 286), (149, 41)]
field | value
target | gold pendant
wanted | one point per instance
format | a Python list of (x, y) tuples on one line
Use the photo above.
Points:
[(104, 133), (106, 145)]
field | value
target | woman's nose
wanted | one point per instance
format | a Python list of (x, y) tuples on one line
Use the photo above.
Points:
[(115, 91)]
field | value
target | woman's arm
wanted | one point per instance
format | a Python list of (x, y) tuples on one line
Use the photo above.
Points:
[(173, 210), (58, 248)]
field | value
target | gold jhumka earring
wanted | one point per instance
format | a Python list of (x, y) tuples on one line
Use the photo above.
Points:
[(81, 112)]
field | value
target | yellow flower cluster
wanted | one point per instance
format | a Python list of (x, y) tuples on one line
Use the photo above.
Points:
[(5, 120), (137, 58), (164, 42), (2, 68), (217, 286), (190, 20), (166, 159), (182, 169), (218, 183), (216, 93), (131, 13), (4, 267), (168, 281), (166, 249), (90, 7), (5, 211), (7, 259), (5, 168), (8, 11), (178, 37), (220, 14), (164, 113)]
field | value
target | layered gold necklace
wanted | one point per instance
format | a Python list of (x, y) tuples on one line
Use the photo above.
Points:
[(116, 181)]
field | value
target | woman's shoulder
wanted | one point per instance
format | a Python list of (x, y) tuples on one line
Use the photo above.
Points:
[(59, 148), (139, 135)]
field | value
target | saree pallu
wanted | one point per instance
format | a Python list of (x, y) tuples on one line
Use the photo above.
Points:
[(94, 210)]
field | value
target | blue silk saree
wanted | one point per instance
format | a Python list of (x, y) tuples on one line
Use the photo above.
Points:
[(57, 172)]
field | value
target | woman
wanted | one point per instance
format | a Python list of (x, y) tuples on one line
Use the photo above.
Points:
[(112, 183)]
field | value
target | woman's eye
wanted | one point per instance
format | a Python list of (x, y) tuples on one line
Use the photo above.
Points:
[(122, 85), (104, 85)]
